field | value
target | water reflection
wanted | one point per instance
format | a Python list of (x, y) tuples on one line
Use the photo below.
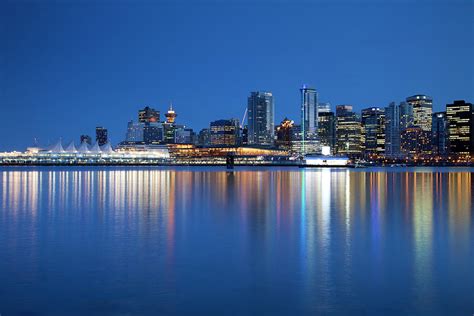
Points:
[(317, 236)]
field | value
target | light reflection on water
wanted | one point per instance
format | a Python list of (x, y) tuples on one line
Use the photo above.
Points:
[(142, 240)]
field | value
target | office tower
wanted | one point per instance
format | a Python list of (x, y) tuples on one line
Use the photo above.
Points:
[(152, 132), (148, 115), (170, 115), (392, 130), (309, 112), (225, 133), (261, 126), (183, 135), (101, 136), (204, 137), (348, 131), (422, 111), (327, 129), (87, 139), (439, 133), (406, 115), (373, 131), (460, 116), (169, 133), (324, 107), (134, 132), (284, 134), (414, 141)]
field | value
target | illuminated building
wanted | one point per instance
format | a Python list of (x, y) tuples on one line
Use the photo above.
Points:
[(460, 116), (261, 123), (225, 133), (168, 133), (439, 133), (148, 115), (348, 131), (101, 136), (86, 139), (373, 131), (171, 115), (204, 137), (415, 141), (406, 115), (422, 111), (392, 130), (309, 113), (284, 134), (327, 129)]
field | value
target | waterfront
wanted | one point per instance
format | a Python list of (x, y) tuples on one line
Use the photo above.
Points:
[(151, 240)]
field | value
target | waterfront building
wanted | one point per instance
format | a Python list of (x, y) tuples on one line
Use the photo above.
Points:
[(148, 115), (284, 133), (460, 116), (134, 132), (101, 135), (204, 137), (86, 139), (225, 133), (422, 111), (373, 131), (439, 133), (392, 130), (327, 129), (261, 125), (348, 131), (406, 115), (309, 112), (415, 141), (170, 115)]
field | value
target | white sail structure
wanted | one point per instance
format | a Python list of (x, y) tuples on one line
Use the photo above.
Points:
[(95, 149), (71, 148), (107, 148), (56, 148), (83, 148)]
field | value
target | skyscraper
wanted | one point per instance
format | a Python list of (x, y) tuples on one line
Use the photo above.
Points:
[(422, 111), (225, 133), (309, 112), (460, 116), (406, 115), (392, 130), (373, 131), (148, 115), (134, 132), (439, 132), (327, 129), (261, 125), (347, 131), (101, 135)]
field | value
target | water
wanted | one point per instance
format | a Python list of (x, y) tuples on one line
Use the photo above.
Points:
[(128, 241)]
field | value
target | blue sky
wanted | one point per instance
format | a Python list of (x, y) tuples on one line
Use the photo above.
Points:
[(68, 66)]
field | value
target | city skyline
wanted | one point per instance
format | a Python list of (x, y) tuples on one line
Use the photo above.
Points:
[(65, 83)]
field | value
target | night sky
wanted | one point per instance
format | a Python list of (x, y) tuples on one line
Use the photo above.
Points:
[(68, 66)]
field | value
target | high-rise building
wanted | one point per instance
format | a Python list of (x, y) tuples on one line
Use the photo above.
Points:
[(422, 111), (225, 133), (373, 131), (460, 116), (148, 115), (183, 135), (439, 133), (261, 125), (101, 135), (134, 132), (406, 115), (392, 130), (284, 134), (327, 129), (204, 137), (309, 112), (152, 132), (348, 131), (414, 141), (86, 139)]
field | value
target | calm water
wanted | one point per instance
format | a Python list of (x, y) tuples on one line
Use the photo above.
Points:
[(114, 241)]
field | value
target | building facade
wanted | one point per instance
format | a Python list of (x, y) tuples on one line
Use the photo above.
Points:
[(392, 130), (309, 112), (148, 115), (373, 131), (261, 125), (460, 117), (439, 133), (225, 133), (348, 131), (422, 110), (327, 130)]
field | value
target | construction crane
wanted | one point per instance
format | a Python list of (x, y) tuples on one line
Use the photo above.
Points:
[(243, 119)]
